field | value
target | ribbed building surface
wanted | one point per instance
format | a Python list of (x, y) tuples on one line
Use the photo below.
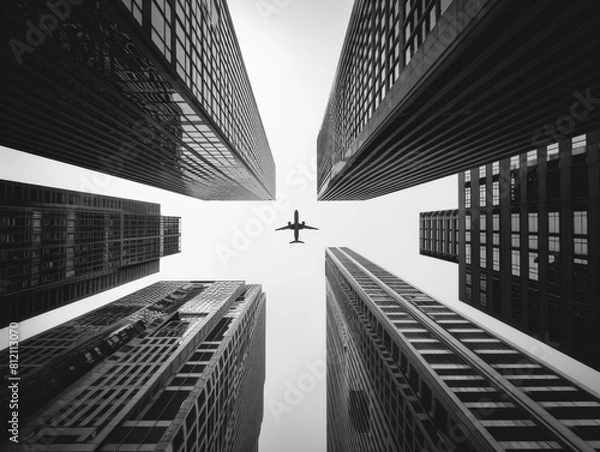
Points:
[(175, 367), (425, 89), (59, 246), (407, 373), (151, 91)]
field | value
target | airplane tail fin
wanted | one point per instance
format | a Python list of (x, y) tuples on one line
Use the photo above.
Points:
[(297, 241)]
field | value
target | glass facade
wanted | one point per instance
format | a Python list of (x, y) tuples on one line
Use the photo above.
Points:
[(167, 100), (59, 246)]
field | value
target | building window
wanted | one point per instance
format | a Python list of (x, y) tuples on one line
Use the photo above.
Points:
[(467, 228), (580, 241), (515, 222), (482, 196), (533, 266), (468, 176), (533, 222), (496, 193), (581, 247), (468, 285), (554, 222), (482, 228), (482, 172), (483, 289), (467, 197), (516, 263), (496, 222), (532, 158), (468, 253), (553, 244), (482, 257), (579, 145), (496, 259), (580, 223), (515, 162), (496, 168), (552, 152)]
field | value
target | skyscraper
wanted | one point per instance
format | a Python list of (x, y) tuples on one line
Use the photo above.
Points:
[(425, 89), (59, 246), (530, 243), (178, 367), (407, 373), (151, 91), (439, 234)]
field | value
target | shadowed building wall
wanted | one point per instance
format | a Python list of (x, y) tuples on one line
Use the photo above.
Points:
[(530, 243), (425, 89)]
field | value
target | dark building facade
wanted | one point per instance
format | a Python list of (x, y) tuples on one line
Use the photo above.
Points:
[(177, 367), (407, 373), (530, 243), (151, 91), (439, 234), (60, 246), (426, 89)]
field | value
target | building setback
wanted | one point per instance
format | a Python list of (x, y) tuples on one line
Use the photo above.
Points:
[(407, 373), (426, 89), (60, 246), (151, 91), (177, 367), (530, 243), (439, 234)]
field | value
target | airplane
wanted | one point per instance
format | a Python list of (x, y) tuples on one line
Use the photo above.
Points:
[(296, 226)]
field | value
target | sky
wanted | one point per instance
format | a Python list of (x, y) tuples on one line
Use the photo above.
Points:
[(291, 49)]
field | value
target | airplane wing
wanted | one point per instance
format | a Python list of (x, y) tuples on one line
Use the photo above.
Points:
[(285, 227), (309, 227)]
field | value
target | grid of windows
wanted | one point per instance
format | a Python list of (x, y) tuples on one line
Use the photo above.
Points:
[(58, 246), (439, 234), (210, 381), (548, 243)]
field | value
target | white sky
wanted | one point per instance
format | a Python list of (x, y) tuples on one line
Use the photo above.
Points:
[(291, 49)]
